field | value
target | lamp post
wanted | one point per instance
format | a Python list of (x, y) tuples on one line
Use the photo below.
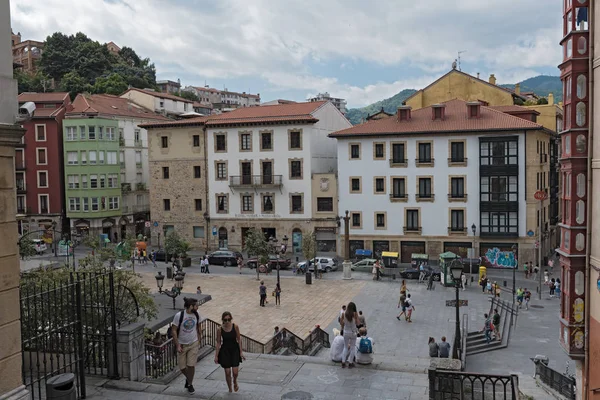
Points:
[(347, 265), (278, 251), (456, 270), (514, 249), (165, 240), (54, 237), (474, 230), (207, 219), (176, 290)]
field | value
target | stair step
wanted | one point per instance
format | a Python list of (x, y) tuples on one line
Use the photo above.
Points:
[(479, 342), (482, 348)]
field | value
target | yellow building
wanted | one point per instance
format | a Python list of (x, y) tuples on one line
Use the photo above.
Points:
[(459, 85)]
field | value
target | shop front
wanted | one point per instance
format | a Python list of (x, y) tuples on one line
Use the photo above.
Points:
[(459, 248), (380, 246), (408, 248), (498, 255), (326, 239)]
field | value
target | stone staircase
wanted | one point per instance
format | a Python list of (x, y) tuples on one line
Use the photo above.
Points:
[(476, 342)]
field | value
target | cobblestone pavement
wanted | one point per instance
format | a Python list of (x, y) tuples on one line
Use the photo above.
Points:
[(302, 306)]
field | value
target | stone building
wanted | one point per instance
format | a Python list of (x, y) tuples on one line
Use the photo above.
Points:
[(27, 53)]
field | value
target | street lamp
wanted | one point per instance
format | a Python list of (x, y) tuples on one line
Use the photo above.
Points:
[(514, 249), (176, 290), (165, 240), (474, 229), (273, 249), (54, 237), (456, 270)]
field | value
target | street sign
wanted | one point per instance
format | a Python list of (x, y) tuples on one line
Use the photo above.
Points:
[(155, 224), (540, 195), (530, 233), (147, 224), (214, 231), (461, 303)]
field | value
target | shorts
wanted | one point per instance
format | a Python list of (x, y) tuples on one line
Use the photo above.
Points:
[(188, 356)]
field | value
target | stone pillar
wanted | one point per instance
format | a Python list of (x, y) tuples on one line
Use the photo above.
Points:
[(347, 265), (11, 382), (131, 359)]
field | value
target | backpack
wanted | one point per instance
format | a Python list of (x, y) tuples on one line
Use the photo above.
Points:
[(365, 346), (406, 304), (181, 313)]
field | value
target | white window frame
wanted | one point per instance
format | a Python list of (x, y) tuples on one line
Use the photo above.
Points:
[(82, 132), (71, 133), (37, 158), (84, 181), (84, 158), (38, 178), (73, 181), (92, 160), (47, 196), (101, 157), (113, 203), (92, 132), (92, 203), (111, 158), (36, 133), (69, 162), (112, 181), (110, 133), (92, 178), (85, 204), (74, 204)]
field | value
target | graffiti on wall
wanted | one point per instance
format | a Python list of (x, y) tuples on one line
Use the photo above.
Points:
[(496, 258)]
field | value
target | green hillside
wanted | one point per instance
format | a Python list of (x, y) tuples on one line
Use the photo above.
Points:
[(356, 115), (541, 85)]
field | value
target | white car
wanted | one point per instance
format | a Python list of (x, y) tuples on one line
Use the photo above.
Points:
[(328, 264), (40, 246)]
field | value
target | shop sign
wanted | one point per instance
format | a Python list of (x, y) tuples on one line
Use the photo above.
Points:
[(269, 216), (325, 229)]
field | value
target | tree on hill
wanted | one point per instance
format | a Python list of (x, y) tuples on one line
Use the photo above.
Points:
[(113, 84), (189, 95), (38, 82), (73, 83)]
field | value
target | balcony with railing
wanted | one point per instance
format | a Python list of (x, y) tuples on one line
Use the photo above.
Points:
[(425, 197), (140, 187), (425, 162), (457, 230), (413, 229), (398, 162), (19, 165), (21, 188), (125, 187), (135, 208), (256, 180), (457, 197), (457, 161), (398, 197)]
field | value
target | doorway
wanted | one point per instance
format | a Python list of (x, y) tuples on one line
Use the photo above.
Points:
[(246, 173), (269, 232), (267, 173), (222, 237)]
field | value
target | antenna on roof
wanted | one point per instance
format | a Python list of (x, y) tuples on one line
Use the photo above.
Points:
[(459, 53)]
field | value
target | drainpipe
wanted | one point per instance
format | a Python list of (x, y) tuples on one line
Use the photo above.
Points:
[(585, 389), (207, 231)]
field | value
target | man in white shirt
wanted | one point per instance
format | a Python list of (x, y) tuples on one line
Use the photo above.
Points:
[(337, 347), (364, 348), (186, 333)]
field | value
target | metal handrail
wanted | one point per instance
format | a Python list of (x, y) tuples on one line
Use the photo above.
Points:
[(256, 180), (445, 384), (561, 383)]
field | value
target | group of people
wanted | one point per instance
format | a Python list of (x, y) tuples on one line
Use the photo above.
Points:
[(405, 303), (492, 326), (530, 270), (351, 344), (487, 286), (204, 264), (523, 295), (441, 349), (262, 292)]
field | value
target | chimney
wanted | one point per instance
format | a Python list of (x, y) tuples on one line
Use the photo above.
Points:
[(550, 99), (492, 79), (473, 109), (404, 113), (517, 88), (438, 111), (560, 104)]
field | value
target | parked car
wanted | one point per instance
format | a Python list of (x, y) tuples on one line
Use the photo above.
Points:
[(365, 265), (413, 273), (284, 262), (40, 246), (224, 257), (160, 255), (328, 264)]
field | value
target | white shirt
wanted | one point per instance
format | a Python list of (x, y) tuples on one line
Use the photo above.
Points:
[(188, 332), (362, 358), (409, 302), (337, 347)]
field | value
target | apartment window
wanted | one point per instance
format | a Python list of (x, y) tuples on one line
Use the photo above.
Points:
[(457, 152), (412, 220), (266, 141), (196, 140), (356, 220), (425, 188), (41, 157), (497, 153), (44, 203), (379, 185), (82, 132), (267, 203), (222, 206), (95, 203), (93, 181), (73, 181), (92, 132), (295, 140), (197, 172), (325, 204), (247, 203), (380, 220), (398, 188), (165, 172), (139, 177), (499, 222), (198, 232), (355, 185), (164, 142), (355, 151), (71, 133), (297, 203), (398, 153), (110, 133), (499, 188), (220, 142), (112, 181), (84, 182), (457, 187), (424, 150), (85, 204), (379, 151), (100, 157), (296, 169), (100, 133), (138, 159), (42, 179), (167, 204), (198, 204), (102, 181), (111, 157), (221, 171), (72, 158), (245, 142), (92, 158), (136, 136), (122, 159), (457, 220), (113, 203), (40, 133), (84, 158)]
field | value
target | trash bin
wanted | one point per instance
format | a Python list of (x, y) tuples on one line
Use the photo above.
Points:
[(308, 278), (61, 387), (169, 272)]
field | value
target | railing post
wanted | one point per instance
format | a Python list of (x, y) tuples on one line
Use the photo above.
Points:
[(79, 339), (432, 377), (113, 320)]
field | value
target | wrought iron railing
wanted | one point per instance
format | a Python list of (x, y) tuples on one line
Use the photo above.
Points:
[(562, 383), (160, 359), (256, 180), (467, 385)]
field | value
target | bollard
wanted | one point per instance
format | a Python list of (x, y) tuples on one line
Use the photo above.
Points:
[(61, 387), (504, 283)]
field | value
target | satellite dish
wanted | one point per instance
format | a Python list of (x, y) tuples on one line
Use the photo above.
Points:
[(454, 64)]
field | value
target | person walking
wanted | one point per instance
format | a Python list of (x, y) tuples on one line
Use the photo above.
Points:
[(552, 286), (483, 283), (433, 348), (185, 330), (496, 322), (557, 288), (409, 308), (527, 297), (201, 265), (153, 258), (277, 294), (520, 296), (349, 323), (463, 279), (487, 329), (526, 270), (144, 256), (402, 300), (206, 264), (430, 282), (229, 353), (240, 264), (262, 291), (422, 273), (444, 348)]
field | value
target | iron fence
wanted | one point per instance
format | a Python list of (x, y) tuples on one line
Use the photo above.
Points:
[(160, 359), (562, 383), (450, 385)]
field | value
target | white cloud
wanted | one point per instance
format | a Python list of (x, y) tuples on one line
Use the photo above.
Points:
[(275, 40)]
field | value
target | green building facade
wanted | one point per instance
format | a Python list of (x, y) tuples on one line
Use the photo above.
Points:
[(92, 175)]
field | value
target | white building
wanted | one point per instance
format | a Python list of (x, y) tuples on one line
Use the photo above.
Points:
[(417, 182), (224, 99), (340, 104), (164, 103), (262, 163)]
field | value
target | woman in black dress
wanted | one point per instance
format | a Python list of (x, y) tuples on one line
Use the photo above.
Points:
[(229, 352)]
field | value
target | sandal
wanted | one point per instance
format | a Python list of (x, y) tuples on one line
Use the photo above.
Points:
[(343, 365), (235, 387)]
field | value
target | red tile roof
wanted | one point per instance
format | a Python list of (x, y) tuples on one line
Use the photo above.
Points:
[(197, 121), (295, 112), (49, 97), (455, 120), (198, 104), (160, 95), (105, 104)]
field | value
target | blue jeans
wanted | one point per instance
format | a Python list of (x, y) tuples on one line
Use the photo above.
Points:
[(488, 336)]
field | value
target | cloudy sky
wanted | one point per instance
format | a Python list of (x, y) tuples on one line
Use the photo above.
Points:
[(358, 50)]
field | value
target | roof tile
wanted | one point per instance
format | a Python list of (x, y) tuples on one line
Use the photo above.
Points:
[(49, 97), (160, 95), (106, 104)]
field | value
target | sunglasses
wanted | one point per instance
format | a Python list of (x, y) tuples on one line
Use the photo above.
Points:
[(227, 320)]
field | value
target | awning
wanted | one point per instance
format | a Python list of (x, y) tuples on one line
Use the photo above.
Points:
[(389, 254), (363, 252), (417, 256), (448, 254)]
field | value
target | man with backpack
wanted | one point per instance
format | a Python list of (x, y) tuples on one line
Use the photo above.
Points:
[(487, 329), (185, 330), (496, 323), (364, 348)]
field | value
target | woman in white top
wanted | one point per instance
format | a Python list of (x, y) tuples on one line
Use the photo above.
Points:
[(337, 346), (349, 323)]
